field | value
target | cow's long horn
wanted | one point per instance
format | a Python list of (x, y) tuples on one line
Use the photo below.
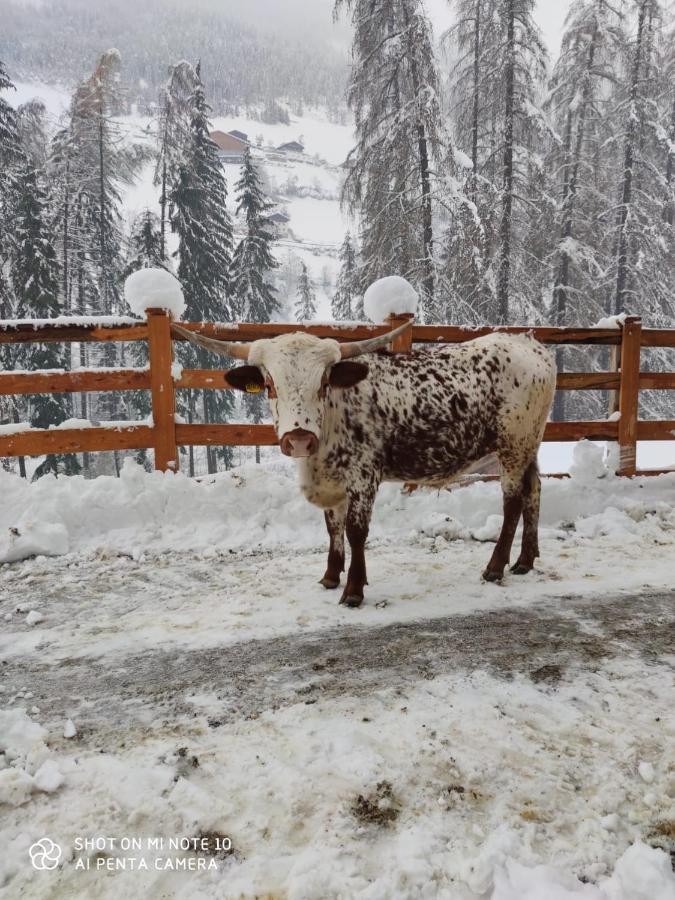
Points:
[(356, 348), (224, 348)]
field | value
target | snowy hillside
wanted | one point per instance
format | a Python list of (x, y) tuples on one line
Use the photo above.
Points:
[(306, 186)]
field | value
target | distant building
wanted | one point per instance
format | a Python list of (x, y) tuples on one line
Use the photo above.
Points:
[(291, 147), (231, 147), (239, 134), (279, 221)]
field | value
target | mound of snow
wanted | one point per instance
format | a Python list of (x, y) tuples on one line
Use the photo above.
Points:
[(611, 321), (588, 462), (390, 296), (154, 289), (33, 538)]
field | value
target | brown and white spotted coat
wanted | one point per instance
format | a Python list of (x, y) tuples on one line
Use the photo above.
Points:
[(423, 417)]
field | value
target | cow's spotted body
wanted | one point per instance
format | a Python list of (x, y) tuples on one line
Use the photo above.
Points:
[(423, 417)]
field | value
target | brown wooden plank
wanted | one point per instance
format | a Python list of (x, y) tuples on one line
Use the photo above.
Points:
[(247, 331), (656, 430), (452, 334), (75, 440), (26, 332), (658, 337), (203, 378), (68, 382), (235, 435), (163, 391), (575, 431), (628, 395), (587, 381), (657, 381)]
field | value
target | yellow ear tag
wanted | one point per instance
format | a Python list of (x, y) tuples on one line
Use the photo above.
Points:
[(253, 388)]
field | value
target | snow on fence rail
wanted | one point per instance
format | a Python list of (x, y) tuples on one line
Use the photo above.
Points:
[(165, 435)]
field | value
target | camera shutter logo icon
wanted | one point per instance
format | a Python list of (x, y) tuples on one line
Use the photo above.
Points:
[(45, 854)]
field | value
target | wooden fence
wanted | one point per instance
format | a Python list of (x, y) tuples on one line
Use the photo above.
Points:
[(165, 434)]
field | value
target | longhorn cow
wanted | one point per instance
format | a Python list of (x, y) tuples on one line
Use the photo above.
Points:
[(423, 417)]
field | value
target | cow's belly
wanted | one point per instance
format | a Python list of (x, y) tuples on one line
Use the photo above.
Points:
[(434, 458)]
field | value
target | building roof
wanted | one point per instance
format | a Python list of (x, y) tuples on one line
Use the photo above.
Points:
[(239, 134), (228, 142), (281, 217), (291, 145)]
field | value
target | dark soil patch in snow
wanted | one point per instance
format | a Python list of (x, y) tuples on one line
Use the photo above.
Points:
[(127, 698), (548, 674), (379, 807)]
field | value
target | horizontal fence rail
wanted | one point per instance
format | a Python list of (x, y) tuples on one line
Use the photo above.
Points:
[(165, 435)]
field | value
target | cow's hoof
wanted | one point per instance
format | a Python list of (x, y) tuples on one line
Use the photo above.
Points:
[(351, 600), (490, 575), (329, 583), (520, 569)]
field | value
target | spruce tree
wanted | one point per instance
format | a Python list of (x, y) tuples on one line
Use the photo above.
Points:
[(305, 306), (145, 244), (35, 279), (252, 294), (199, 216), (347, 288), (173, 135), (394, 94), (10, 155)]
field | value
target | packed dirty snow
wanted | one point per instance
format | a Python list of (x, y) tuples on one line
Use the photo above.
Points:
[(154, 289), (462, 784), (389, 296)]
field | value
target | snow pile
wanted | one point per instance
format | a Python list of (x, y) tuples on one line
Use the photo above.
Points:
[(154, 289), (641, 873), (588, 462), (33, 538), (25, 763), (611, 321), (262, 507), (389, 296)]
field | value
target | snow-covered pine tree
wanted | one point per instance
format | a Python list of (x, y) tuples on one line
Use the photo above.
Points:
[(346, 297), (391, 176), (10, 155), (199, 216), (35, 279), (305, 306), (252, 294), (522, 67), (145, 244), (578, 90), (173, 134), (644, 244)]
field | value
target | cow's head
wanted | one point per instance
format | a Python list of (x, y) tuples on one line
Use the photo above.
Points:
[(298, 371)]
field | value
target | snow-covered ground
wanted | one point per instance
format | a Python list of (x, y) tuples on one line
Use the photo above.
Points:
[(508, 742)]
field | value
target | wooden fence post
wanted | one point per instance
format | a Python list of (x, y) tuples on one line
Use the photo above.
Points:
[(162, 389), (402, 343), (631, 336)]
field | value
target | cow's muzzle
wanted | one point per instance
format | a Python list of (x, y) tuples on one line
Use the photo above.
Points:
[(299, 442)]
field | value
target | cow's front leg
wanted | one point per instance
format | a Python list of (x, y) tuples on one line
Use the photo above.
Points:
[(359, 510), (335, 523)]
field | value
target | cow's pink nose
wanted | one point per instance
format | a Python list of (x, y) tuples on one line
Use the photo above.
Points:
[(299, 443)]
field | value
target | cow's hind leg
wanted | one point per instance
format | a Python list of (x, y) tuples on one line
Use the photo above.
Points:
[(335, 523), (512, 489), (530, 547)]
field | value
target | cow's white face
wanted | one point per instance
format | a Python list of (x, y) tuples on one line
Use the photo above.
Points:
[(296, 369)]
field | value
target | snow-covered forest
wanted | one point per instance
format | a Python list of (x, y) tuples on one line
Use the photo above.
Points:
[(507, 185)]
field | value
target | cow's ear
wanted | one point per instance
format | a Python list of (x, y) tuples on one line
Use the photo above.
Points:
[(347, 374), (246, 378)]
